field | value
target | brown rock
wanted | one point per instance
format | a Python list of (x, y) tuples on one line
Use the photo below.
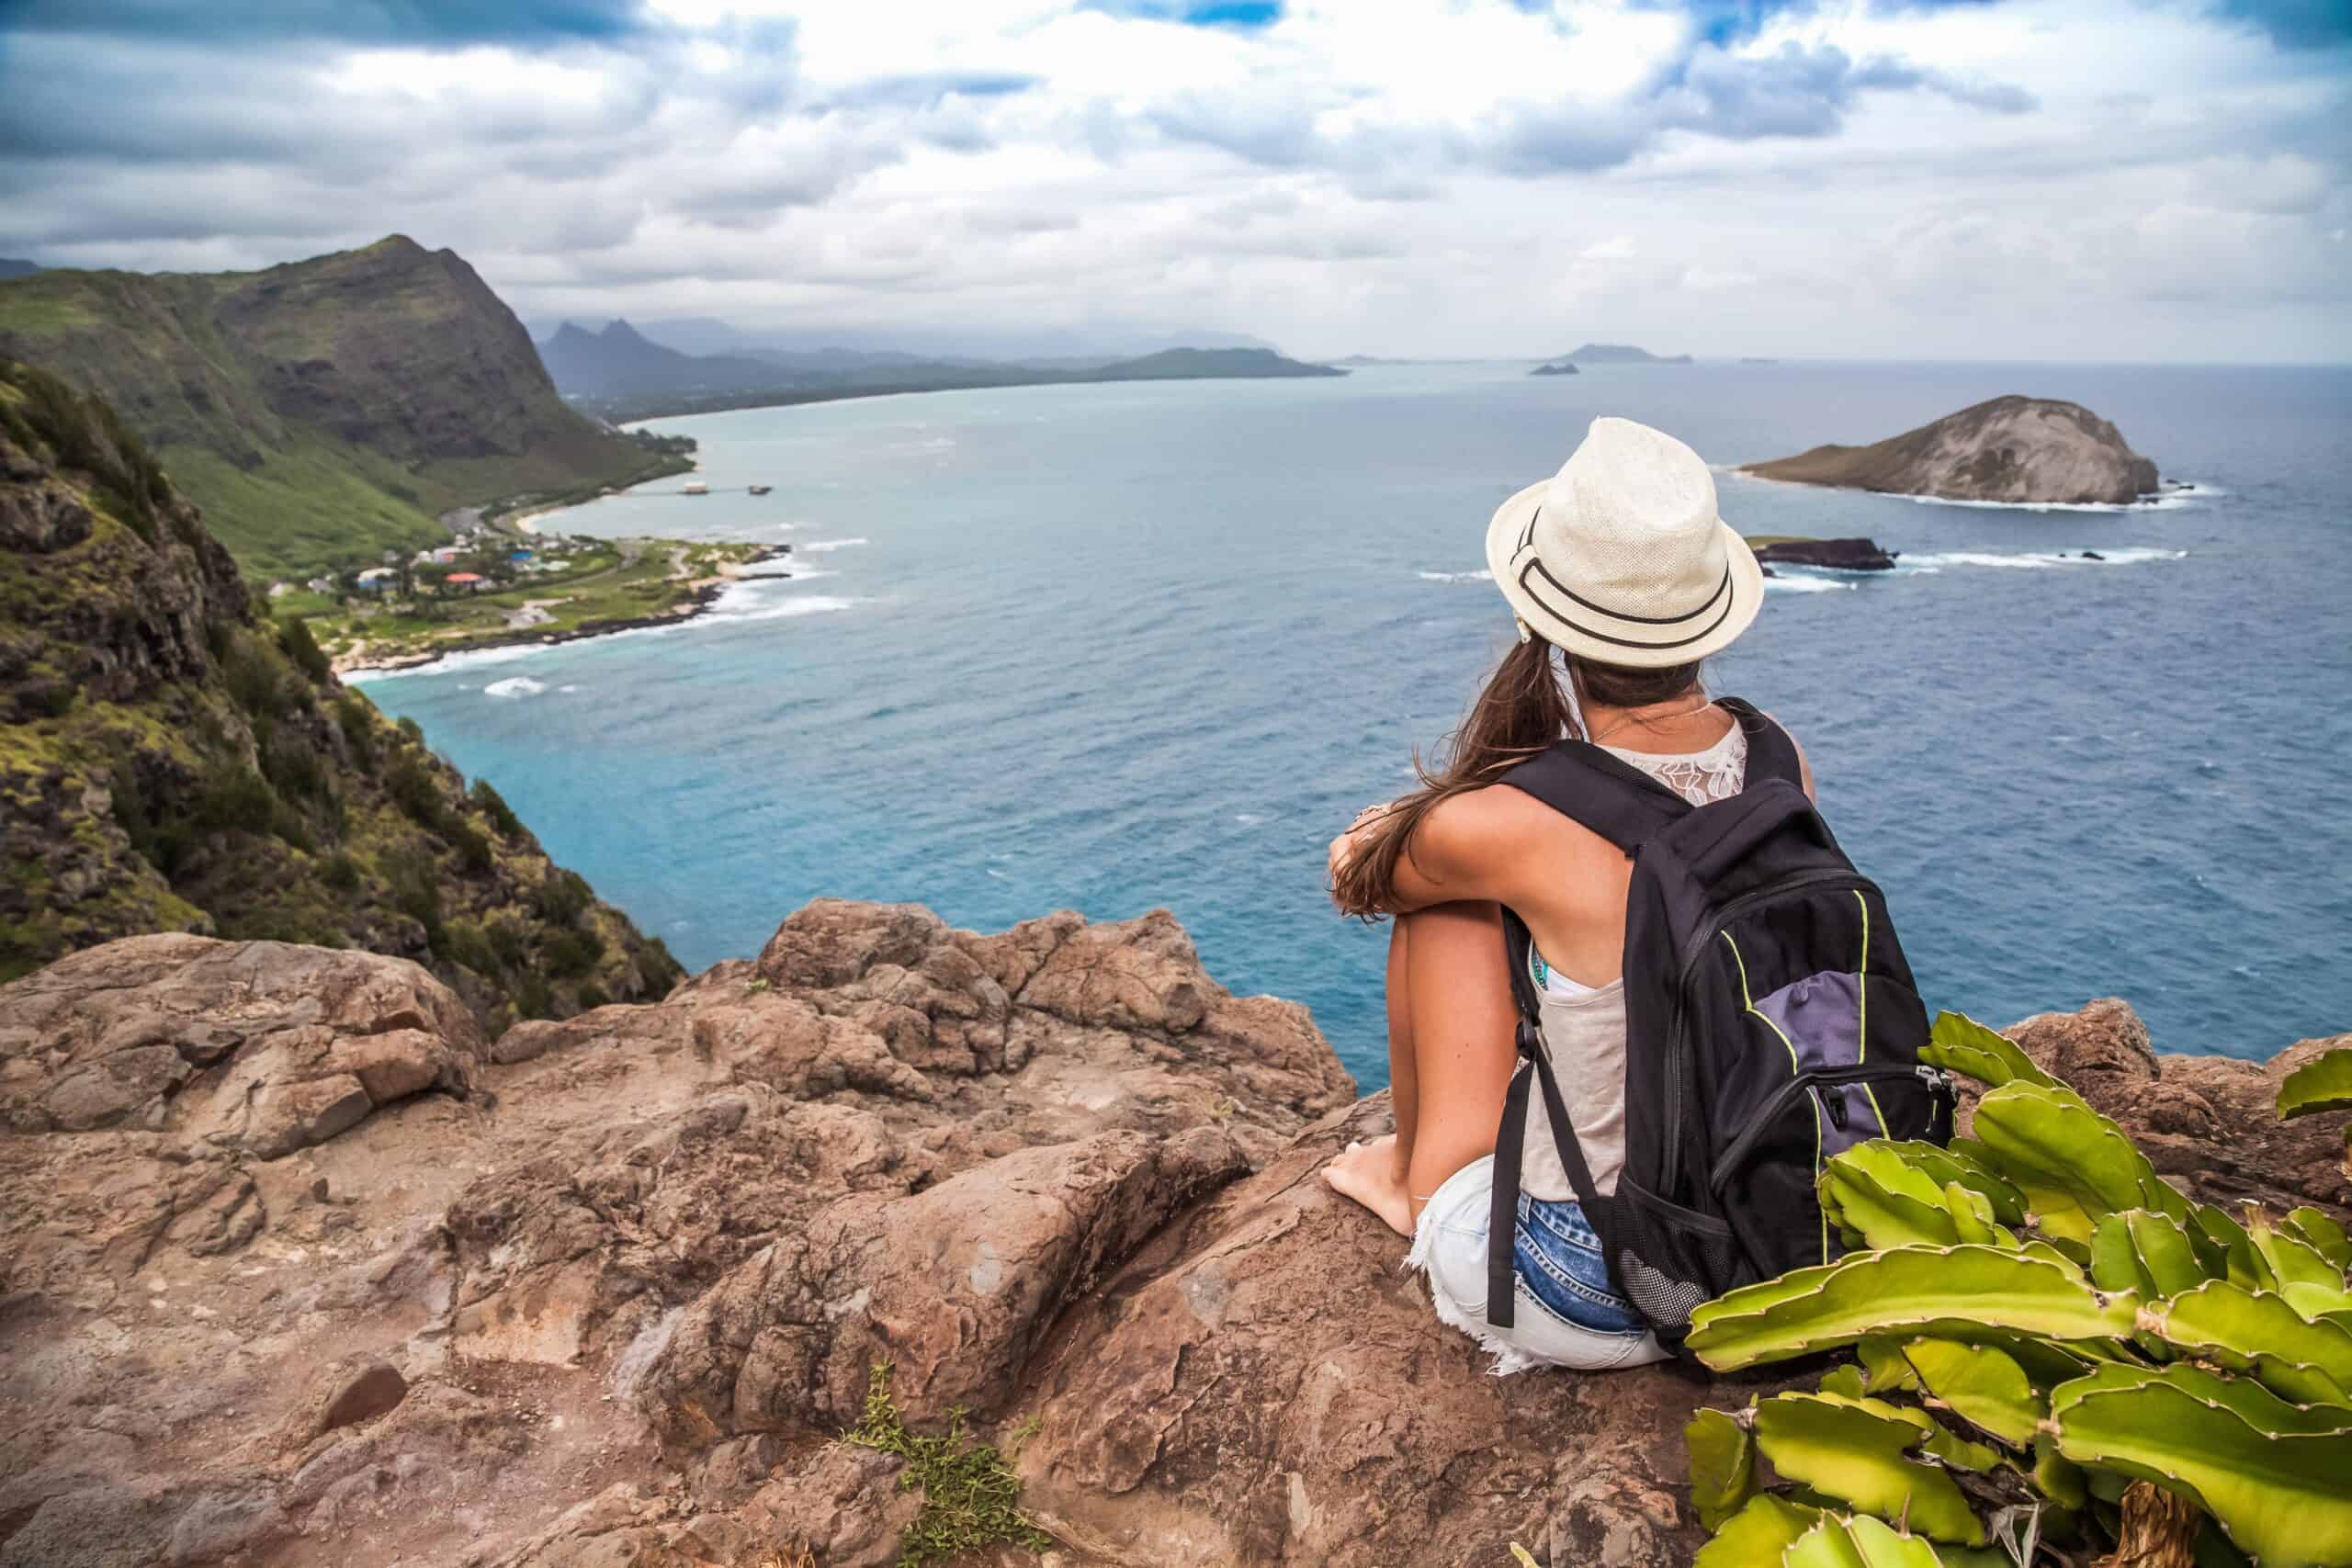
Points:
[(954, 1288), (2211, 1124), (259, 1045), (362, 1395), (1014, 1167), (1264, 1384)]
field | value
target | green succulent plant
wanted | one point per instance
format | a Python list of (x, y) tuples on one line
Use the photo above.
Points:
[(2057, 1356)]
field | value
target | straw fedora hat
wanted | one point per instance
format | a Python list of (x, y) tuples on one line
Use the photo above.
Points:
[(1621, 558)]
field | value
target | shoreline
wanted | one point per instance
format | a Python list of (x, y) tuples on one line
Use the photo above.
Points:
[(702, 596), (2167, 492)]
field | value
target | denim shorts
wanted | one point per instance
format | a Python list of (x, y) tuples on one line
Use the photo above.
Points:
[(1567, 1313)]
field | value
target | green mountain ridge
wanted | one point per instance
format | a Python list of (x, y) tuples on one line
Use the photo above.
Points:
[(173, 760), (325, 411)]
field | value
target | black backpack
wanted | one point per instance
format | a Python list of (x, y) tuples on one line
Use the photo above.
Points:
[(1771, 1022)]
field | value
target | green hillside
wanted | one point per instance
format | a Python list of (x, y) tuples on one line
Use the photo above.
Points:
[(171, 759), (325, 411)]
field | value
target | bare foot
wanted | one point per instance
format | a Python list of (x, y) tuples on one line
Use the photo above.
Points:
[(1367, 1172)]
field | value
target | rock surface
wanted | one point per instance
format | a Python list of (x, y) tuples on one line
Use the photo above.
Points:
[(602, 1291), (2035, 451), (1841, 555)]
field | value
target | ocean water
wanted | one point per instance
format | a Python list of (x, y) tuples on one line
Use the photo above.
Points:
[(1124, 646)]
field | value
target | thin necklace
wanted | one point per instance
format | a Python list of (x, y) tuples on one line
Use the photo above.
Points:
[(1658, 718)]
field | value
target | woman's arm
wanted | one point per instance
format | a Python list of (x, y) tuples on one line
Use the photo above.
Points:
[(1461, 849)]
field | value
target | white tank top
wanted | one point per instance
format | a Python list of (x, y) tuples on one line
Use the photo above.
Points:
[(1584, 1026)]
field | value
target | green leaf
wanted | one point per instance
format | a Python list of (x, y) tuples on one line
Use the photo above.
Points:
[(2057, 1477), (2258, 1332), (1863, 1457), (1971, 1217), (1965, 1293), (2068, 1160), (1860, 1542), (1884, 1371), (2283, 1494), (2293, 1259), (2317, 1302), (1962, 1162), (1758, 1535), (1958, 1043), (1845, 1380), (2324, 1083), (2324, 1233), (1983, 1386), (2168, 1259), (1872, 1191), (1722, 1465)]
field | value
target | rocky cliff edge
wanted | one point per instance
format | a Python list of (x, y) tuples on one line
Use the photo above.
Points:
[(299, 1267)]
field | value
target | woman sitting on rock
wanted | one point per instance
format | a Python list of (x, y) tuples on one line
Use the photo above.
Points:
[(1620, 564)]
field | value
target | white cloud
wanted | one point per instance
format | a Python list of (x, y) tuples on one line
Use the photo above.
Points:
[(1412, 176)]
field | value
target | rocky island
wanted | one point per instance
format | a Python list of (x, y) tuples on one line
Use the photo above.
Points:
[(1622, 354), (1835, 555), (1556, 368), (2020, 450)]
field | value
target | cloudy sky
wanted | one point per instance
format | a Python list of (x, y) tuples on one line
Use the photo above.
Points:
[(2124, 179)]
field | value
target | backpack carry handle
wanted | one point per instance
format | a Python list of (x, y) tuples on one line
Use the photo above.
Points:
[(1769, 805)]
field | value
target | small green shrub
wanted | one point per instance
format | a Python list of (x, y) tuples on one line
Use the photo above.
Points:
[(341, 873), (591, 995), (660, 969), (471, 843), (562, 896), (470, 945), (294, 636), (970, 1495), (356, 719), (507, 940), (412, 731), (533, 995), (571, 952), (415, 883), (415, 785), (493, 806), (254, 681)]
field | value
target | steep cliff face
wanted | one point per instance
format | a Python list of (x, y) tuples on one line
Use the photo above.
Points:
[(324, 409), (2032, 451), (173, 761)]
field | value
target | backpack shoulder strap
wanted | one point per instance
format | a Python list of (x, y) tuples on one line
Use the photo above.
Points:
[(1771, 754), (1587, 785)]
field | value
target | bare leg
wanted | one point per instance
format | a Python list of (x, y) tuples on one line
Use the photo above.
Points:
[(1451, 1023), (1464, 1031), (1373, 1172)]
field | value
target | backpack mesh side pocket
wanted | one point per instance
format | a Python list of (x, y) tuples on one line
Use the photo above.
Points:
[(1668, 1259)]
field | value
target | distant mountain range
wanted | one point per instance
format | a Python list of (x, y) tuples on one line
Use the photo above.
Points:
[(621, 374), (12, 267), (620, 361), (833, 348), (1622, 353), (324, 411)]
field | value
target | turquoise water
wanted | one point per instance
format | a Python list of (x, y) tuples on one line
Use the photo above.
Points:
[(1114, 646)]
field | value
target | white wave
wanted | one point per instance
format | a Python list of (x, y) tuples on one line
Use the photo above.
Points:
[(784, 609), (567, 688), (803, 576), (513, 686), (467, 659), (1249, 819), (2169, 501), (1785, 584), (1455, 576), (2032, 560), (828, 545)]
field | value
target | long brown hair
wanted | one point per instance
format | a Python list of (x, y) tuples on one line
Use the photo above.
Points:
[(1523, 708)]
